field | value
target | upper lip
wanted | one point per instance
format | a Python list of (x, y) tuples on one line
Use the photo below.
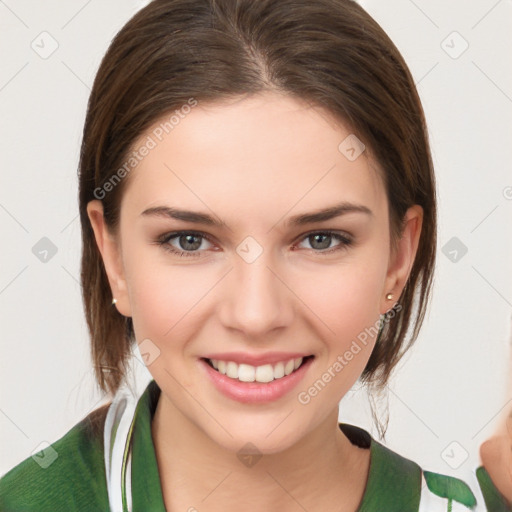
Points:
[(256, 359)]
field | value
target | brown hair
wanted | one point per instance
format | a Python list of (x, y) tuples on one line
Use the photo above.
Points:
[(330, 53)]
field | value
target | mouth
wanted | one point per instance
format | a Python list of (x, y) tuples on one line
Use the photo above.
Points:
[(262, 374)]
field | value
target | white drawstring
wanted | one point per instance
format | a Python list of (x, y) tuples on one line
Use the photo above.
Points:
[(116, 441)]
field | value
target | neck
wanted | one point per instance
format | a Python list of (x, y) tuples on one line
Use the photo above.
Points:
[(323, 471)]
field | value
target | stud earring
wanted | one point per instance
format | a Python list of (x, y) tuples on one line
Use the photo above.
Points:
[(389, 296), (114, 301)]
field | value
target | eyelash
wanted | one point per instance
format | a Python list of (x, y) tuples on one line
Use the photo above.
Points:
[(164, 240)]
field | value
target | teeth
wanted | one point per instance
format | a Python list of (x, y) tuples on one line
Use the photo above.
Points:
[(279, 370), (232, 370), (264, 373), (248, 373)]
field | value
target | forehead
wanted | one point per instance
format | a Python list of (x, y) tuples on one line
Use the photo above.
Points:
[(263, 153)]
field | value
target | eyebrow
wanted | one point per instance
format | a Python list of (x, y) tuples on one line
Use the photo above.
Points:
[(321, 215), (327, 214)]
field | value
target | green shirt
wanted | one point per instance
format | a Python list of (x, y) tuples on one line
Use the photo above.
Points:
[(76, 479)]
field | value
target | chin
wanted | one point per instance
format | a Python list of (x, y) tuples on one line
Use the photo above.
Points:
[(264, 436)]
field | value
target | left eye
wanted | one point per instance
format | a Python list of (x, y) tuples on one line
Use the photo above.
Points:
[(321, 240), (189, 242)]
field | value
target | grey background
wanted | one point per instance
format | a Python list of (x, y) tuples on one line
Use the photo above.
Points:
[(449, 393)]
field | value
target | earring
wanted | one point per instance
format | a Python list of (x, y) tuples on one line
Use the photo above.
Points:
[(389, 296), (114, 301)]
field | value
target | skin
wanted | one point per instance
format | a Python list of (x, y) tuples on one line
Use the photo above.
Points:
[(496, 455), (253, 163)]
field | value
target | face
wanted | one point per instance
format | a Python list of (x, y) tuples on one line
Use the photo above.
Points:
[(252, 280)]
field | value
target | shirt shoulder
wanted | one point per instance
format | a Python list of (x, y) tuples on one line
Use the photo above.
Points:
[(494, 500), (398, 483), (67, 475)]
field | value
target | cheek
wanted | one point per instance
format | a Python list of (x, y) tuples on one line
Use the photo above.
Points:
[(345, 305), (163, 297), (166, 299), (345, 302), (344, 297)]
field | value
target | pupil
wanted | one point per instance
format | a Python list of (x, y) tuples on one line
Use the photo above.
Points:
[(189, 241), (326, 242)]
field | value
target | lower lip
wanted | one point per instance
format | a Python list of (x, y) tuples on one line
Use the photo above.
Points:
[(256, 392)]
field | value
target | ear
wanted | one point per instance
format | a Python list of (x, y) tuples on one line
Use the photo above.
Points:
[(402, 257), (110, 250)]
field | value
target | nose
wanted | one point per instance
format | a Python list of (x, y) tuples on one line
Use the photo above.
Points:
[(256, 298)]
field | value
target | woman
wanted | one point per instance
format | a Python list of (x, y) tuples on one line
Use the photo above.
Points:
[(258, 214)]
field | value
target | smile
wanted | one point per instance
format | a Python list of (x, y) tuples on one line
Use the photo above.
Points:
[(264, 373), (270, 377)]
